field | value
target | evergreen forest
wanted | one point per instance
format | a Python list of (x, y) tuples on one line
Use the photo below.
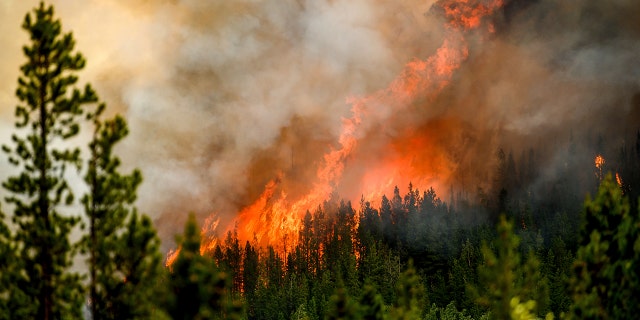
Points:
[(509, 251)]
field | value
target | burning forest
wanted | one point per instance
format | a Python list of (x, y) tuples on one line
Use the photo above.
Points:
[(327, 152)]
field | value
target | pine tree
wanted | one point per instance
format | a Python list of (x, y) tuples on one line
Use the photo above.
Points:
[(341, 306), (448, 313), (6, 262), (197, 289), (411, 298), (48, 108), (132, 290), (14, 304), (123, 256), (250, 274), (503, 281), (463, 275), (371, 303), (606, 283)]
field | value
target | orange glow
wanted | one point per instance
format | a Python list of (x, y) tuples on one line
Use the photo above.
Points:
[(599, 162), (618, 180), (468, 14), (171, 257), (416, 156), (274, 219), (208, 234)]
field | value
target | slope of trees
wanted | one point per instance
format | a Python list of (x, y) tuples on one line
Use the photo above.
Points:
[(492, 273)]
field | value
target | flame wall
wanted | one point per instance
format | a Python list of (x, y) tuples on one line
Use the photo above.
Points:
[(230, 101)]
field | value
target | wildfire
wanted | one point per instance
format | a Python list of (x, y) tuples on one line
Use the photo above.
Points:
[(274, 219), (171, 257), (618, 180), (468, 14), (599, 162), (208, 234)]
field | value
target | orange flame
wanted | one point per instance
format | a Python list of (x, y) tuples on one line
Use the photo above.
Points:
[(273, 219), (468, 14), (599, 162), (208, 234), (171, 257)]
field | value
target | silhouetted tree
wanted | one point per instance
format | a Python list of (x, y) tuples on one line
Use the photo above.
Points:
[(198, 289), (49, 106), (124, 261)]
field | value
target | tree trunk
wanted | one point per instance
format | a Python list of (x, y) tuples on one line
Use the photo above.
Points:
[(46, 260)]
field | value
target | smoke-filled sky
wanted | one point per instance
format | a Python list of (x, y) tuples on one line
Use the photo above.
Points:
[(224, 96)]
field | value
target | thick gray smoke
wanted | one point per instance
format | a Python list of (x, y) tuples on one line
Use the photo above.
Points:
[(559, 77), (222, 95)]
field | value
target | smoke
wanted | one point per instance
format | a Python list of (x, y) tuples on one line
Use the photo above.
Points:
[(224, 96), (555, 74)]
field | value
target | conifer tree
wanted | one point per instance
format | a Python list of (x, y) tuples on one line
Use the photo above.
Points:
[(411, 298), (606, 282), (124, 261), (133, 289), (504, 282), (49, 103), (371, 303), (463, 275), (341, 306), (198, 289), (13, 302)]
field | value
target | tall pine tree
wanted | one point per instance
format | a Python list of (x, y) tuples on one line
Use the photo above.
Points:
[(124, 261), (49, 104)]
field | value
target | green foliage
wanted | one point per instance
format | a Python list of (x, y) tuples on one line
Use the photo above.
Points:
[(48, 108), (503, 278), (371, 304), (124, 261), (606, 283), (13, 301), (557, 267), (381, 267), (498, 274), (197, 289), (411, 299), (133, 286), (464, 274), (448, 313), (341, 305)]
